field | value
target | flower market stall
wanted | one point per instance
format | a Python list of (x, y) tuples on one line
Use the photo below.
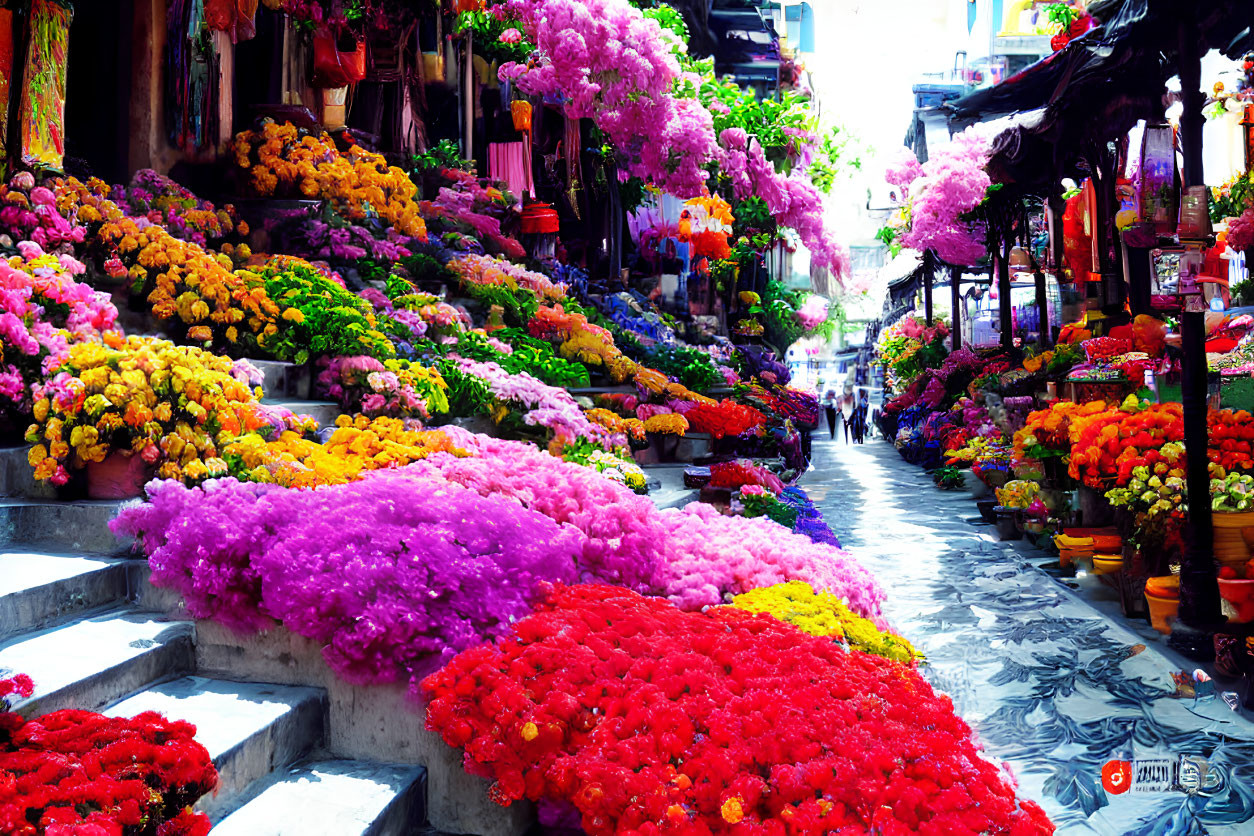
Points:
[(377, 389), (1118, 440)]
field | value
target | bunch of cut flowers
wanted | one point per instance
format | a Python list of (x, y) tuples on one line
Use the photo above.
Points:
[(392, 387)]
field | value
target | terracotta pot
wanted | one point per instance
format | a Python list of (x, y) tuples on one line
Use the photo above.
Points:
[(1238, 599), (1162, 610), (119, 476), (1233, 533)]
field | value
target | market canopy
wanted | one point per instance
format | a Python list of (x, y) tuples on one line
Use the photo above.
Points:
[(1099, 85)]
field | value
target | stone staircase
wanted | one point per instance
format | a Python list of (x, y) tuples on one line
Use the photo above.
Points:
[(78, 615)]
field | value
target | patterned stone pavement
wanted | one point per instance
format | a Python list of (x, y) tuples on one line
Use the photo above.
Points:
[(1052, 677)]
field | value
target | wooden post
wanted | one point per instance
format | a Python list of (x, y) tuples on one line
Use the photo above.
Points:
[(1005, 308), (1042, 306), (955, 296), (929, 268), (1199, 590), (468, 102)]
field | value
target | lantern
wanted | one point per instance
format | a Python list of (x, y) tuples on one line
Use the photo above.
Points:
[(521, 111)]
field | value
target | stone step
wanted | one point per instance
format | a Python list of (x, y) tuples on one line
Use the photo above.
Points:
[(250, 729), (77, 526), (17, 477), (341, 797), (95, 660), (39, 590), (286, 380), (324, 412)]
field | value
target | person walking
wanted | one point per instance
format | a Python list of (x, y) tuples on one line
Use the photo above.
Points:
[(847, 404), (829, 406)]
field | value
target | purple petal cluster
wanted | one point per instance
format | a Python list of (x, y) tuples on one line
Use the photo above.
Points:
[(390, 573)]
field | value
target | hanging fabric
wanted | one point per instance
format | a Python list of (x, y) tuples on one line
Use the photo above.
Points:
[(572, 141), (6, 77), (510, 162), (237, 18), (193, 77), (43, 95)]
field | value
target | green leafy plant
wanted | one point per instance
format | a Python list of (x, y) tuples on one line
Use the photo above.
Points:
[(486, 29), (445, 154), (838, 156), (949, 478)]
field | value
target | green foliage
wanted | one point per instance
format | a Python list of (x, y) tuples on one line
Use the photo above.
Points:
[(669, 18), (949, 478), (1239, 196), (632, 194), (332, 320), (531, 355), (838, 156), (889, 236), (467, 395), (487, 28), (692, 367), (1243, 293), (446, 154), (768, 505), (764, 119)]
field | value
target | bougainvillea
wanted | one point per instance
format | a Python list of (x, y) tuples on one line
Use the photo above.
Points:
[(652, 720), (953, 183), (610, 63)]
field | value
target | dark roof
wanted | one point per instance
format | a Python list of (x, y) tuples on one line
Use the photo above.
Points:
[(1099, 85)]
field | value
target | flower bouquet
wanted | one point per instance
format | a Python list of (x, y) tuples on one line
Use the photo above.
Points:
[(356, 446), (42, 309), (162, 201), (317, 317), (282, 160)]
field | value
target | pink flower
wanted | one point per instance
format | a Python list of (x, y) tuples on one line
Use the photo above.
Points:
[(511, 36)]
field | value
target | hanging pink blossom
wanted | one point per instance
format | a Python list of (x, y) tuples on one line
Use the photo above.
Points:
[(953, 183)]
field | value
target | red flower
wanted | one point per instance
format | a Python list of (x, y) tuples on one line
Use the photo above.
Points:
[(78, 773), (651, 720)]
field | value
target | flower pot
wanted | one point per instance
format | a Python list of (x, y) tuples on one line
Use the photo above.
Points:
[(1238, 600), (1107, 564), (972, 483), (986, 507), (119, 476), (1162, 611), (1007, 528), (1233, 530)]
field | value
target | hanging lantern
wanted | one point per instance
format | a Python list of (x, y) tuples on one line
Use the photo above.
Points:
[(521, 111)]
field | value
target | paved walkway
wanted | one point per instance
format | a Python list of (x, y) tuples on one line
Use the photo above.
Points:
[(1053, 685)]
